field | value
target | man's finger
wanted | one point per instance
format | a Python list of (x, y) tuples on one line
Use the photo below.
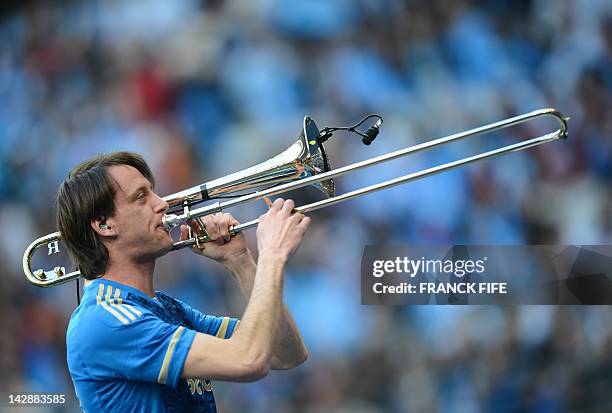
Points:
[(207, 226), (288, 206), (184, 232), (224, 224), (219, 222), (303, 225), (196, 225), (277, 204), (267, 201)]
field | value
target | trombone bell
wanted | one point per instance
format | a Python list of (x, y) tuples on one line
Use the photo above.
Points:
[(305, 158)]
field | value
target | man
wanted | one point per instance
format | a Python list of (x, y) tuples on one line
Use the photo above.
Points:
[(132, 349)]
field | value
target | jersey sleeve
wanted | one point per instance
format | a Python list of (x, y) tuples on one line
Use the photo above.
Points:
[(145, 348), (222, 327)]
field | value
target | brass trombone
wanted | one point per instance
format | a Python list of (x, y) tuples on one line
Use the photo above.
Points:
[(302, 164)]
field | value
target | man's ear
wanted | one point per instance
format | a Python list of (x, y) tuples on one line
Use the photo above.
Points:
[(103, 227)]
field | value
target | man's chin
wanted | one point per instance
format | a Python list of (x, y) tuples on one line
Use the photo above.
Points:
[(165, 246)]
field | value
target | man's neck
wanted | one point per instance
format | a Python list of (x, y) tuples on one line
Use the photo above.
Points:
[(136, 275)]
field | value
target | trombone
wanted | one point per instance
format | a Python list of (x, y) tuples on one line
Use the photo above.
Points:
[(303, 163)]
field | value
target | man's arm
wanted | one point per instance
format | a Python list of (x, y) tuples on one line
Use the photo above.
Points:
[(247, 355), (289, 348)]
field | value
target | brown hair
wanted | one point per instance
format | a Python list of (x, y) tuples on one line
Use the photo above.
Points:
[(88, 193)]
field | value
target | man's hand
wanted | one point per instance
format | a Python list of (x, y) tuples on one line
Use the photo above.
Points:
[(280, 232), (223, 247)]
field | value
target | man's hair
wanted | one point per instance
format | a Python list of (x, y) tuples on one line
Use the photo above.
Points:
[(88, 193)]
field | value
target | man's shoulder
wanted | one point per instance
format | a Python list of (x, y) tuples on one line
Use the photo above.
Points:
[(106, 306)]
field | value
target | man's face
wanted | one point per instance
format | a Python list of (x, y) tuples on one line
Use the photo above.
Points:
[(138, 215)]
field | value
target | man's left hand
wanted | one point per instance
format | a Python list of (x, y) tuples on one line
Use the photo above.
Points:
[(223, 247)]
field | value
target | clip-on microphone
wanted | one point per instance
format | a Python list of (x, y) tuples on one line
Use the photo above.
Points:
[(367, 136)]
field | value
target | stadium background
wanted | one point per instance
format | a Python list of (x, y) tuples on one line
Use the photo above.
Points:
[(205, 88)]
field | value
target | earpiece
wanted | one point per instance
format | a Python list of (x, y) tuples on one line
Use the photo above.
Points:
[(104, 227)]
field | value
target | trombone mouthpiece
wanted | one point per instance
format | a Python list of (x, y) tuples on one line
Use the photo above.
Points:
[(171, 221)]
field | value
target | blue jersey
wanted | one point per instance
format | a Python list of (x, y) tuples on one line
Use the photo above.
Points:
[(126, 351)]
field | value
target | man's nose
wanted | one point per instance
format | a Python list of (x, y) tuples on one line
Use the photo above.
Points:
[(162, 205)]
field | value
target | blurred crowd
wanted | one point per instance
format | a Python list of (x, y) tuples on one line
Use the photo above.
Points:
[(205, 88)]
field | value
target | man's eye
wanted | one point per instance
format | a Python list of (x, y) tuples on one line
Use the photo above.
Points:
[(140, 195)]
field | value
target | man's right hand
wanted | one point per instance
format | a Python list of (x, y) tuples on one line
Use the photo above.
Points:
[(280, 232)]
